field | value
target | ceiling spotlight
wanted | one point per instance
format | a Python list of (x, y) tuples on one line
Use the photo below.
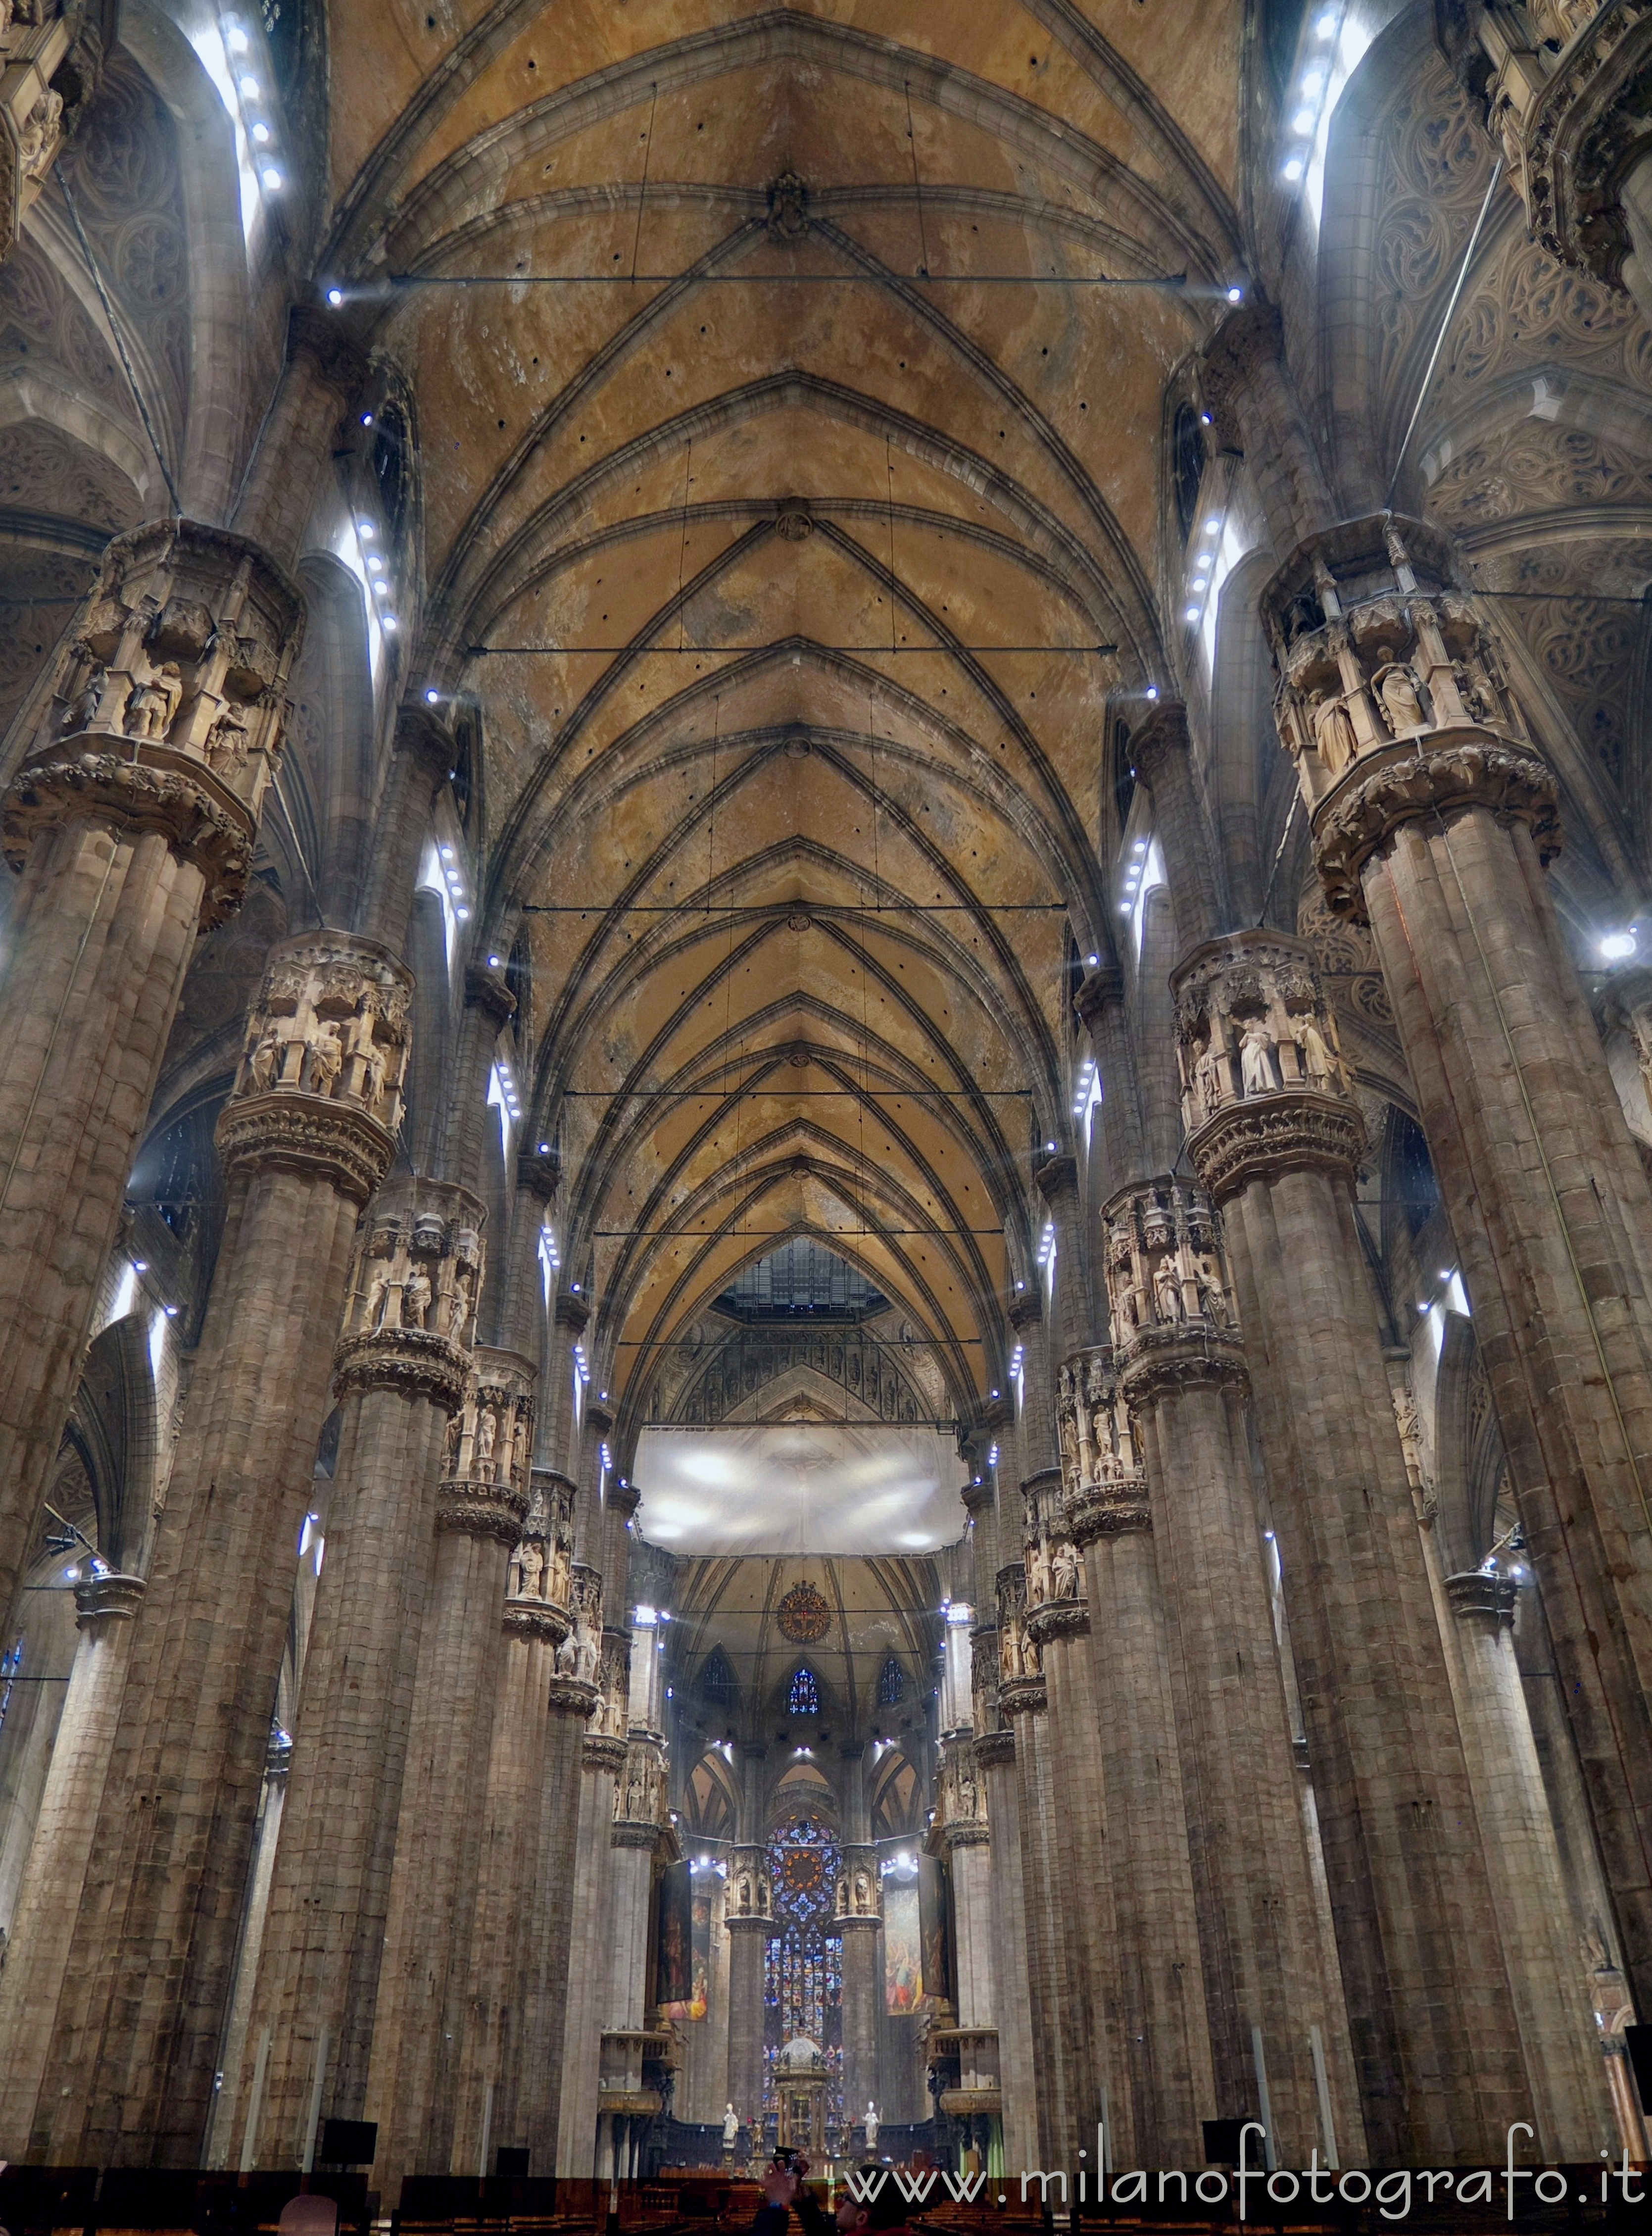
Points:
[(1618, 946), (1191, 615), (1095, 961), (1235, 294), (1205, 419), (235, 39), (1124, 908), (1326, 24), (1199, 581), (335, 296), (272, 179), (261, 139), (367, 418), (171, 1311), (545, 1149), (492, 963), (463, 915), (447, 853), (249, 88), (365, 528), (431, 697), (1312, 82), (1303, 120), (1152, 691), (140, 1264), (1293, 168)]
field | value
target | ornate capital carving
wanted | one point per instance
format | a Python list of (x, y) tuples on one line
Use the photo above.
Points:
[(1109, 1510), (305, 1134), (602, 1750), (1165, 1270), (995, 1750), (330, 1031), (409, 1311), (154, 790), (1284, 1132), (108, 1598), (537, 1621), (319, 337), (1248, 339), (1023, 1696), (179, 678), (1440, 777), (1570, 101), (1025, 1311), (1094, 1427), (410, 1360), (626, 1834), (1164, 733), (540, 1171), (480, 1510), (1056, 1619), (1168, 1360), (569, 1697), (1055, 1179), (1479, 1597), (487, 991), (571, 1313), (1098, 990)]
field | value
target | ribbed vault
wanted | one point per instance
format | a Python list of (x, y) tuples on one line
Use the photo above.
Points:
[(791, 504)]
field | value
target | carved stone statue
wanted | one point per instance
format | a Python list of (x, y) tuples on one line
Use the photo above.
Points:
[(589, 1654), (378, 1296), (1257, 1060), (1397, 690), (1332, 732), (568, 1656), (531, 1569), (1167, 1290), (730, 2126), (1037, 1575), (871, 2124), (1207, 1078), (1065, 1573), (487, 1431), (264, 1062), (227, 744), (416, 1299), (152, 706), (1318, 1062), (37, 138), (327, 1060)]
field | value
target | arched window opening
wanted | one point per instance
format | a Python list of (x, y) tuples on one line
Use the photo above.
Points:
[(803, 1699), (892, 1684)]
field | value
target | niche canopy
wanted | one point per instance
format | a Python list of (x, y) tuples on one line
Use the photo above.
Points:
[(832, 1488)]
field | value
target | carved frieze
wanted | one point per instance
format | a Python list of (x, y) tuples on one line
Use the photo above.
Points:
[(858, 1889), (485, 1465), (1165, 1267), (750, 1896), (1019, 1659), (580, 1658)]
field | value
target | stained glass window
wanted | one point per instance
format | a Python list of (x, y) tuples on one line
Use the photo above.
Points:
[(892, 1684), (804, 1697), (803, 1986)]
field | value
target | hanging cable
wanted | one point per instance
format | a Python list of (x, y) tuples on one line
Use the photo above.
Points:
[(1439, 338)]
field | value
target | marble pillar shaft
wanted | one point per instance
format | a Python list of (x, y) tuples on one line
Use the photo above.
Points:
[(971, 1861), (749, 1941), (862, 2009), (410, 2083), (996, 1754), (43, 1922), (324, 1938), (602, 1760), (1549, 1209), (1163, 2027), (543, 1951), (1257, 1924), (1570, 2102), (103, 931), (1048, 1955), (1430, 2013), (129, 2078)]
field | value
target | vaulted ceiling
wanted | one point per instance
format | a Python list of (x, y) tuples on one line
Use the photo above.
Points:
[(789, 390)]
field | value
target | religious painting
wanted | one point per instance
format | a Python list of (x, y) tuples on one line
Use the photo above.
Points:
[(934, 1926), (902, 1948), (675, 1967)]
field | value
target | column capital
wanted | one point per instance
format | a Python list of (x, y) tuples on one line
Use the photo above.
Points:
[(110, 1597), (1568, 102), (539, 1173), (858, 1895), (1109, 1510), (1167, 1277), (320, 1083), (1098, 990), (1025, 1311), (320, 337), (1097, 1440), (410, 1308), (1485, 1598), (1264, 1087), (1393, 702), (1163, 735), (570, 1312), (1053, 1619), (568, 1697), (1055, 1179), (486, 991), (995, 1750), (1247, 340), (602, 1750), (167, 708)]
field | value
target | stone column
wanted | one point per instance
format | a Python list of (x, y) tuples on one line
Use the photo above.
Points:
[(1277, 1141), (304, 1139), (400, 1376), (132, 821), (1168, 2086), (858, 1922), (1181, 1374), (603, 1762), (411, 2081), (1571, 2103), (43, 1922), (1432, 816), (751, 1927)]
